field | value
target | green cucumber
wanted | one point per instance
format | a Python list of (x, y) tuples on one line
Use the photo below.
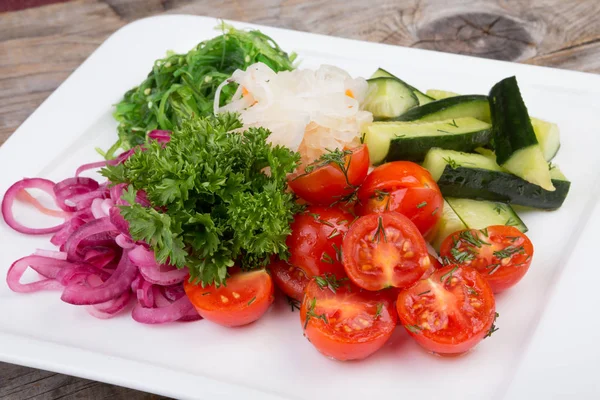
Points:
[(398, 140), (476, 176), (448, 224), (479, 214), (388, 97), (440, 94), (422, 97), (516, 146), (548, 137), (547, 133), (474, 106)]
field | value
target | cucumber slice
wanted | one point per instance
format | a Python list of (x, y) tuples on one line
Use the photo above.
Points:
[(475, 176), (421, 97), (460, 214), (548, 137), (479, 214), (448, 224), (388, 97), (440, 94), (517, 148), (474, 106), (390, 141), (547, 133)]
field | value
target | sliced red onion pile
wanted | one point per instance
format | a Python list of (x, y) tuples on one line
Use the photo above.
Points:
[(98, 265)]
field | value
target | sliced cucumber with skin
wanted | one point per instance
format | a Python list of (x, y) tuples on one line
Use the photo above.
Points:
[(516, 146), (475, 176), (474, 106), (399, 140), (421, 97), (440, 94), (479, 214), (388, 97), (448, 224), (548, 137), (547, 133)]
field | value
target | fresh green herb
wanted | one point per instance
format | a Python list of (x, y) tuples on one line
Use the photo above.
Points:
[(310, 313), (462, 256), (380, 231), (333, 233), (435, 211), (472, 291), (493, 328), (212, 205), (380, 194), (509, 251), (315, 216), (512, 238), (422, 204), (473, 240), (329, 224), (423, 293), (362, 138), (439, 130), (205, 293), (379, 310), (551, 166), (337, 157), (499, 208), (453, 124), (451, 162), (338, 252), (485, 232), (511, 222), (252, 300), (329, 281), (413, 328), (183, 85), (448, 275), (293, 303), (326, 258), (494, 268)]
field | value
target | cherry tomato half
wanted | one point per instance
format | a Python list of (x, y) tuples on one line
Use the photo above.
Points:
[(345, 322), (384, 250), (404, 187), (316, 240), (502, 254), (290, 279), (449, 312), (243, 299), (332, 177)]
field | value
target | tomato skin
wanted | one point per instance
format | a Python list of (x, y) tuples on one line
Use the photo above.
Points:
[(494, 242), (316, 239), (450, 312), (404, 187), (384, 250), (327, 184), (353, 330), (290, 279), (244, 300)]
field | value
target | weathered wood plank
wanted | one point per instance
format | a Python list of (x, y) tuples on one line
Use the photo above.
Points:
[(40, 47)]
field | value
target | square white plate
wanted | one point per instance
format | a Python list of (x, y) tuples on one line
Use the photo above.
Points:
[(548, 324)]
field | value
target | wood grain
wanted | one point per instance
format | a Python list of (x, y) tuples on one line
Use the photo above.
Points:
[(40, 47)]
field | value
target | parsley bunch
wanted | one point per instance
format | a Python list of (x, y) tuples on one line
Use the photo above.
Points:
[(182, 85), (218, 197)]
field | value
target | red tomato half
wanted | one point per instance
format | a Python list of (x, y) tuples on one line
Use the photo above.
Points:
[(404, 187), (449, 312), (290, 279), (316, 240), (384, 250), (346, 323), (502, 254), (243, 299), (332, 177)]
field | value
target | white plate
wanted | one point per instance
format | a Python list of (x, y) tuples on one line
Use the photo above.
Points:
[(532, 353)]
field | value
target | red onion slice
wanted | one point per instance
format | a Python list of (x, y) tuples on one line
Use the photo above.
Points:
[(110, 308), (114, 286), (13, 192), (90, 228), (151, 270), (173, 312), (71, 187), (47, 267)]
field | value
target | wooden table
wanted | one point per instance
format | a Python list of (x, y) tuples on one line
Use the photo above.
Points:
[(40, 47)]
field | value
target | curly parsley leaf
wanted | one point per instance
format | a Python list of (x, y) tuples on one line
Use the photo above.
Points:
[(218, 197)]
